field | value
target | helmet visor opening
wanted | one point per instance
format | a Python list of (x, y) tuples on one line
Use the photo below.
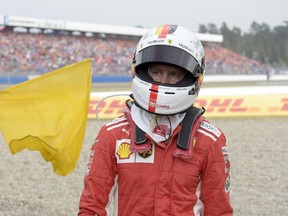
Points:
[(170, 55), (142, 72)]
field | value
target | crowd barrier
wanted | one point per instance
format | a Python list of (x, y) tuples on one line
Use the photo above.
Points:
[(11, 80)]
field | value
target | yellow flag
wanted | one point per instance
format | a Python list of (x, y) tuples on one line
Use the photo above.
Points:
[(49, 114)]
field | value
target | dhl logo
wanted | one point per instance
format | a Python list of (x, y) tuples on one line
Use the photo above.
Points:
[(222, 106)]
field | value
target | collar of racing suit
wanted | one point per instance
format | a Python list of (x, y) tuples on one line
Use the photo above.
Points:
[(158, 128)]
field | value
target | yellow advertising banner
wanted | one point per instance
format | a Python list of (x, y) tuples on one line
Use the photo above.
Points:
[(216, 106)]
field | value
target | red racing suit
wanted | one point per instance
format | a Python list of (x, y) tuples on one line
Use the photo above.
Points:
[(155, 182)]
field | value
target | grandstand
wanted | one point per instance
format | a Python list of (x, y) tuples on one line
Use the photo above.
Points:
[(30, 47)]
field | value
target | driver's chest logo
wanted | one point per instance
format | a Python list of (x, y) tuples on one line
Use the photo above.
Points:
[(124, 151), (146, 154), (124, 154)]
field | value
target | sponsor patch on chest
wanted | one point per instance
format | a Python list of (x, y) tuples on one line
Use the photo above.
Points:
[(124, 154), (211, 128)]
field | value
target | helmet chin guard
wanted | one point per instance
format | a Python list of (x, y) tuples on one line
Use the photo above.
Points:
[(161, 99), (176, 46)]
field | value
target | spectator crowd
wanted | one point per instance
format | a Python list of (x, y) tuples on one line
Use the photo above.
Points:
[(23, 54)]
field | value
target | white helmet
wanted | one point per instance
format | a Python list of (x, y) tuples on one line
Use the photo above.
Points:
[(177, 46)]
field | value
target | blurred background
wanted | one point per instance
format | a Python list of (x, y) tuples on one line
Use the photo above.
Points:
[(30, 47), (240, 38)]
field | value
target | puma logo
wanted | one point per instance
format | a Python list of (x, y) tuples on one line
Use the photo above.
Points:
[(124, 130)]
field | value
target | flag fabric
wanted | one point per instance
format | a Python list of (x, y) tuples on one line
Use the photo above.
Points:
[(49, 114)]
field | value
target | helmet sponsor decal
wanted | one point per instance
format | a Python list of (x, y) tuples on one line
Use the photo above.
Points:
[(160, 41), (164, 30), (188, 48)]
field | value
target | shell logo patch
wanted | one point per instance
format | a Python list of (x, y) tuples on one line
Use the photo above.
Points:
[(124, 154), (124, 151)]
